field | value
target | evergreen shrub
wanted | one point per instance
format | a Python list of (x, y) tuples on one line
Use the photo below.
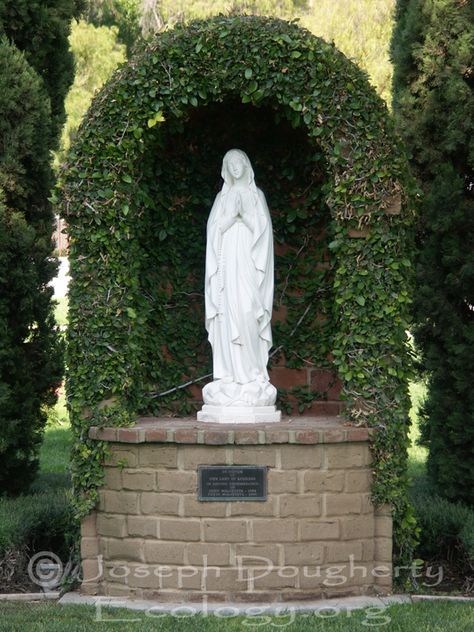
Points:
[(30, 353), (432, 48)]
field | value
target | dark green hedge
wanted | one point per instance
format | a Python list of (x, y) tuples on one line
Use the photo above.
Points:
[(30, 355), (433, 48), (40, 28), (137, 192)]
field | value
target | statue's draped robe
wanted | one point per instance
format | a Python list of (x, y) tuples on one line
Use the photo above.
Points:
[(239, 288)]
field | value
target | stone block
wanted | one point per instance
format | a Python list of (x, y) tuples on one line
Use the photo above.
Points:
[(158, 456), (347, 455), (89, 548), (358, 481), (383, 526), (357, 527), (343, 551), (257, 555), (120, 502), (265, 455), (224, 579), (250, 508), (199, 554), (281, 482), (383, 549), (300, 505), (342, 504), (138, 480), (142, 526), (318, 481), (186, 529), (113, 478), (319, 529), (88, 525), (123, 457), (90, 572), (303, 554), (159, 504), (164, 552), (194, 456), (176, 481), (368, 550), (111, 525), (193, 507), (296, 457), (224, 530), (276, 579), (274, 530), (129, 549), (183, 578), (143, 576)]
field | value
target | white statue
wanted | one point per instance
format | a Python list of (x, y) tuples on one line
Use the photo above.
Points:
[(239, 299)]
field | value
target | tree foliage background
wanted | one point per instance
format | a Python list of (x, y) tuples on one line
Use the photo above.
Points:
[(36, 72), (359, 28), (433, 51)]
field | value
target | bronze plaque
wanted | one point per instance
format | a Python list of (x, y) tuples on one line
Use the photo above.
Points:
[(232, 482)]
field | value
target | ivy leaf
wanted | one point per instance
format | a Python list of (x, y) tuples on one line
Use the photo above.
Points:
[(248, 73), (360, 300), (157, 118)]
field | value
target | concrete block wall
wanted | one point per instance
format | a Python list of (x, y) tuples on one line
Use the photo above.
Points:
[(316, 535)]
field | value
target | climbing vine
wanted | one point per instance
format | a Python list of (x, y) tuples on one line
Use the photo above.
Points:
[(137, 190)]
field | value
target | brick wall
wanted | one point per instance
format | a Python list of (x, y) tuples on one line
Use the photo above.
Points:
[(317, 534)]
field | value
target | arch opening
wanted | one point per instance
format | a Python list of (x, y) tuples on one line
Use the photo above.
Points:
[(179, 178)]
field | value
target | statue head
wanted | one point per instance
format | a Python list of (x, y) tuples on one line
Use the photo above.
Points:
[(235, 165)]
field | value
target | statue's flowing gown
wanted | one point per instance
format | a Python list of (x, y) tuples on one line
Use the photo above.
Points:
[(239, 288)]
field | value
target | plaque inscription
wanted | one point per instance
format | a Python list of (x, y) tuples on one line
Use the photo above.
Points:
[(232, 482)]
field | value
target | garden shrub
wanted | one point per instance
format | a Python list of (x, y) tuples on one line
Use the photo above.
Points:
[(446, 528), (38, 522)]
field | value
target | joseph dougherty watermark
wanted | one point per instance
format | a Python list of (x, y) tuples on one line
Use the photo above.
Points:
[(255, 616), (251, 568), (46, 570)]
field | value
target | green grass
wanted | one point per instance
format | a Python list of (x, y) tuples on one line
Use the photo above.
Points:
[(418, 617), (61, 310), (416, 454)]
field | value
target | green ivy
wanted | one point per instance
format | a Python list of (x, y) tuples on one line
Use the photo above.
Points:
[(137, 192)]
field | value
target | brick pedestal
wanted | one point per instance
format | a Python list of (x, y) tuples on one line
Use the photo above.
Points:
[(316, 535)]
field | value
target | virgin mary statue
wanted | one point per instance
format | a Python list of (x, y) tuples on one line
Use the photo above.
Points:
[(239, 298)]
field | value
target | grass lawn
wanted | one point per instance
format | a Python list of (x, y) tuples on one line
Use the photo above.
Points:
[(418, 617), (60, 312), (416, 454)]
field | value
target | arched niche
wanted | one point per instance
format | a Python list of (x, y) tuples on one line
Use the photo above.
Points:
[(140, 183), (180, 172)]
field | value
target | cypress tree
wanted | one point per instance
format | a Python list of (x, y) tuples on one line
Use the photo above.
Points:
[(40, 28), (36, 70), (30, 353), (433, 53)]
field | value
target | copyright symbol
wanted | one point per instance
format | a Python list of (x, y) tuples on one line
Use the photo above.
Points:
[(45, 569)]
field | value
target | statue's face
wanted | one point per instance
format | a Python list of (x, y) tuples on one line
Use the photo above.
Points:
[(236, 166)]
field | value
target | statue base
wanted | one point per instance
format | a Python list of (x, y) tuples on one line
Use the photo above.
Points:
[(239, 414)]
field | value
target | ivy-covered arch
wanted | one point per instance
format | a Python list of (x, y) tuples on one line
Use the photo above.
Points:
[(128, 211)]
